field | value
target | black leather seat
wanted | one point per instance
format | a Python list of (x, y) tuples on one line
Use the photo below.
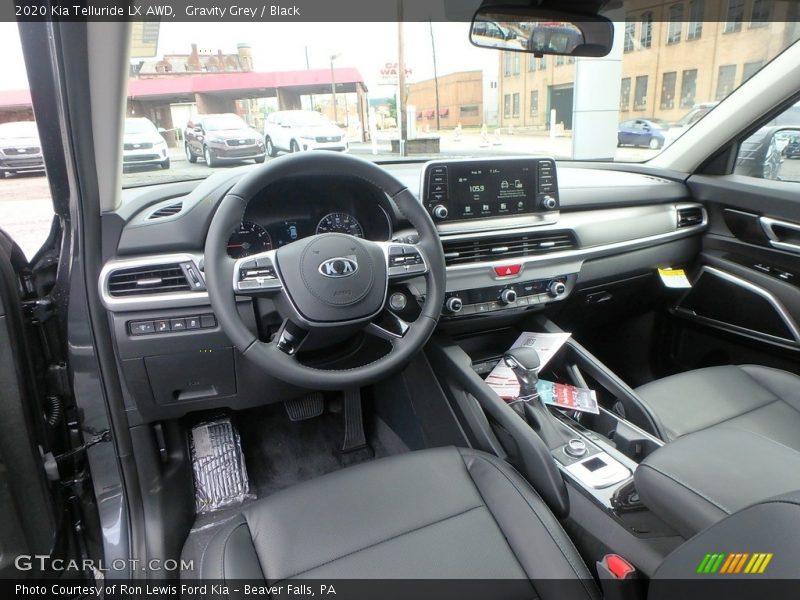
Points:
[(750, 397), (439, 513)]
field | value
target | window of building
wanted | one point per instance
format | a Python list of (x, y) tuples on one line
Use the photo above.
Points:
[(625, 94), (675, 24), (697, 13), (726, 80), (469, 110), (543, 63), (646, 37), (559, 60), (506, 105), (516, 56), (688, 88), (507, 64), (759, 15), (751, 69), (515, 103), (630, 34), (668, 90), (734, 16), (531, 62), (640, 93), (535, 103)]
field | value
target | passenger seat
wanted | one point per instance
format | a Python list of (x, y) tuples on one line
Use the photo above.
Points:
[(751, 397)]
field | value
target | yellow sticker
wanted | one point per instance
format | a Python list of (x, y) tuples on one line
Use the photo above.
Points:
[(674, 278)]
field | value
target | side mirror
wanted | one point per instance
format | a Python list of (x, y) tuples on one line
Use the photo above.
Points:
[(542, 31)]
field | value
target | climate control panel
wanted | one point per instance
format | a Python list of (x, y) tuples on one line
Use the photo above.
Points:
[(511, 295)]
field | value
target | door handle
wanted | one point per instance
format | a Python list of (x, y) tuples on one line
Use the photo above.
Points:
[(782, 235)]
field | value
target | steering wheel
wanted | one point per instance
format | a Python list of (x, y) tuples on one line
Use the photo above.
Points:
[(325, 283)]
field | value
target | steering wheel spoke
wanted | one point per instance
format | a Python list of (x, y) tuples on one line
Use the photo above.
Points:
[(257, 275), (403, 261), (390, 327)]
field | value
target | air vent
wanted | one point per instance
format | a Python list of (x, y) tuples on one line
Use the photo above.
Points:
[(155, 279), (167, 211), (460, 252), (690, 215)]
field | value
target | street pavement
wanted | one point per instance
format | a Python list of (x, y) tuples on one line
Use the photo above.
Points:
[(26, 209)]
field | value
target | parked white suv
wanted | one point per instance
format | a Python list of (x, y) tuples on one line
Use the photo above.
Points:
[(296, 130), (143, 144)]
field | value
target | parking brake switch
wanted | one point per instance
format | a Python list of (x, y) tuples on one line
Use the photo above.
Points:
[(525, 363)]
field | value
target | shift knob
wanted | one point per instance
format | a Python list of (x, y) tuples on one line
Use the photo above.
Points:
[(525, 363)]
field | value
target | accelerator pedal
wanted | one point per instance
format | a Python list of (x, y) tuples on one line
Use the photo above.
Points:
[(309, 406), (354, 436)]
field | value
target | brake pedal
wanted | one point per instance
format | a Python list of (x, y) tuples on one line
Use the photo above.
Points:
[(354, 436), (309, 406)]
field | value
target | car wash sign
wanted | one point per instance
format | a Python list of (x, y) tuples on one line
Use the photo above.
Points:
[(390, 73)]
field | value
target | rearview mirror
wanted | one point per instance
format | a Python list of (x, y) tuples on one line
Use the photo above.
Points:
[(541, 31)]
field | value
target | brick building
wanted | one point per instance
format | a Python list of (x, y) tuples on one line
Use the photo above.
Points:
[(460, 100), (675, 54)]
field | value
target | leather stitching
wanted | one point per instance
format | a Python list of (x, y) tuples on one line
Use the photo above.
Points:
[(378, 543), (705, 497), (555, 535)]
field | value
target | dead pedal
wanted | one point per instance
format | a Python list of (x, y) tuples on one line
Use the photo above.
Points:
[(354, 436), (309, 406)]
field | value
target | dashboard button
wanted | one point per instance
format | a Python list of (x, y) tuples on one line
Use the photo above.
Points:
[(142, 327), (161, 326), (207, 321), (192, 322), (508, 270), (177, 324), (481, 308)]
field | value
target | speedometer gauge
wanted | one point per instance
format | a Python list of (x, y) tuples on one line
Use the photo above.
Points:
[(249, 238), (339, 222)]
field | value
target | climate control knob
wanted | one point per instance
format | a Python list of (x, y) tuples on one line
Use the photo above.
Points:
[(454, 305), (556, 288), (508, 296), (549, 203), (440, 211)]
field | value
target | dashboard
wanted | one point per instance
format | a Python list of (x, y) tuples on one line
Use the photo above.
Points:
[(291, 210), (518, 235)]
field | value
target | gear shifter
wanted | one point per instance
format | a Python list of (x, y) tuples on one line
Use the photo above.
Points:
[(525, 363)]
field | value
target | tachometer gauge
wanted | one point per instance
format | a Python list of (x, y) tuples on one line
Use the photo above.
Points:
[(340, 223), (250, 238)]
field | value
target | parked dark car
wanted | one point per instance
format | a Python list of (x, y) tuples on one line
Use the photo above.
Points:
[(792, 149), (642, 132), (759, 155), (222, 138), (20, 150)]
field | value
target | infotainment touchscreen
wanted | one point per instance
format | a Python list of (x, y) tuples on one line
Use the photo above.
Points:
[(488, 190)]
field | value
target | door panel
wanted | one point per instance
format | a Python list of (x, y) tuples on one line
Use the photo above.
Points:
[(28, 523), (746, 285)]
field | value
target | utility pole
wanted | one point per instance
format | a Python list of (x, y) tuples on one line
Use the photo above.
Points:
[(435, 75), (333, 90), (401, 80), (308, 68)]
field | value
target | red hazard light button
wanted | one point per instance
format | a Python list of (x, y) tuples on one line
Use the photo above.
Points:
[(508, 270)]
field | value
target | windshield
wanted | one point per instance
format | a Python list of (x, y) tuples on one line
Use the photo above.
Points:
[(138, 126), (20, 129), (223, 122), (672, 63)]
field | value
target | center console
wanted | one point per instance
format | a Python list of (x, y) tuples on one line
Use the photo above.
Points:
[(487, 213)]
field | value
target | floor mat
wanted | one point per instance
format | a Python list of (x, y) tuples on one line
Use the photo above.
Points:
[(280, 453)]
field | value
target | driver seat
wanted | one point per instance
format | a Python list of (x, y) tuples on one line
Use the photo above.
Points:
[(442, 513)]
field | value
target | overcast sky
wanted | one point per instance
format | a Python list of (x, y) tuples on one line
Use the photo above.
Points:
[(282, 47)]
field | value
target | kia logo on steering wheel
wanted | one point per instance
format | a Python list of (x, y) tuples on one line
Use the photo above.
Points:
[(340, 266)]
